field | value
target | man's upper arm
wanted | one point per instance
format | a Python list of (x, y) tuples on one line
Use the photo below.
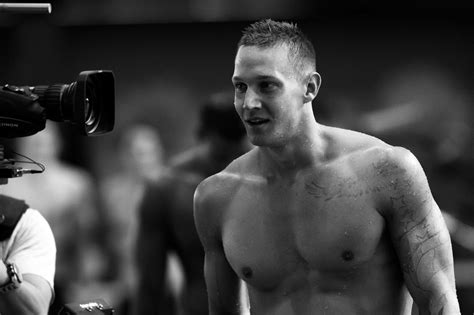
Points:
[(33, 249), (419, 235), (221, 280)]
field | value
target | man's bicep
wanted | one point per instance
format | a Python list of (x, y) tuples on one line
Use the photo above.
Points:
[(421, 238), (34, 246), (424, 249), (222, 282), (223, 285)]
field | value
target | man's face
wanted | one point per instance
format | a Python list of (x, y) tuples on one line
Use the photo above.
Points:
[(268, 94)]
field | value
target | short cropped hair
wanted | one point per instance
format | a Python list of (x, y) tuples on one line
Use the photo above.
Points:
[(268, 33)]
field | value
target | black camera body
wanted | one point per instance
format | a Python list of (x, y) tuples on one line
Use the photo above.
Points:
[(88, 103)]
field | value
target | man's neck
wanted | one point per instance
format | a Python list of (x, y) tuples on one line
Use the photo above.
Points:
[(306, 150)]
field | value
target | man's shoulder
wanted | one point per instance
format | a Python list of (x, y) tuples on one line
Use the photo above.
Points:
[(33, 217), (217, 185), (234, 173), (212, 198), (365, 152), (346, 141), (219, 188), (389, 171), (33, 227), (351, 143)]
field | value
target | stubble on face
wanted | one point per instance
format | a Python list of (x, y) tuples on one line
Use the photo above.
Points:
[(255, 66)]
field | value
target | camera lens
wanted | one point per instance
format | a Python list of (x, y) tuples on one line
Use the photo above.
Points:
[(94, 102), (89, 113), (87, 103)]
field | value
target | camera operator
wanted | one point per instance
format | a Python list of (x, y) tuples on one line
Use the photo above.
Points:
[(28, 253), (71, 214), (28, 246)]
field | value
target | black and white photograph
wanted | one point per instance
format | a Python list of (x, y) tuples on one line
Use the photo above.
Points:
[(215, 157)]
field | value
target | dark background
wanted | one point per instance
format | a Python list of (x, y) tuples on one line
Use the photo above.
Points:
[(167, 56)]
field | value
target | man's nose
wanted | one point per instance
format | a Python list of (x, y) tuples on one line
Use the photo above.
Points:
[(252, 100)]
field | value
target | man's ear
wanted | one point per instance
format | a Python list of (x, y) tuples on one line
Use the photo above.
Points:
[(312, 87)]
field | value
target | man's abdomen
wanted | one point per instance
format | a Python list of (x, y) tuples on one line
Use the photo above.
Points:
[(370, 291)]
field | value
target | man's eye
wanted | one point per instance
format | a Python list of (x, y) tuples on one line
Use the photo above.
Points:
[(240, 87), (268, 86)]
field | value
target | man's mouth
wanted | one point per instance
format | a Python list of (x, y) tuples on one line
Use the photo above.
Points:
[(256, 121)]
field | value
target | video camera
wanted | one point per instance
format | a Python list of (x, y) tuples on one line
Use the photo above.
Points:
[(88, 103)]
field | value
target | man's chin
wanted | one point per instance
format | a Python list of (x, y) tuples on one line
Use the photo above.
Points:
[(256, 140), (259, 141)]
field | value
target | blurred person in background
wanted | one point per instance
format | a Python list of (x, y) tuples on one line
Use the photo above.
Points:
[(64, 195), (316, 219), (166, 213), (141, 157)]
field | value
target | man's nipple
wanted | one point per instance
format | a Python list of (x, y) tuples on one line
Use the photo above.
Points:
[(347, 255), (247, 272)]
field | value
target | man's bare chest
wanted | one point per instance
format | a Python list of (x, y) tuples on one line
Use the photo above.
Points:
[(273, 233)]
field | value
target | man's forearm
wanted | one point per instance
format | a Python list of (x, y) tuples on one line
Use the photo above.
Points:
[(24, 300), (444, 304)]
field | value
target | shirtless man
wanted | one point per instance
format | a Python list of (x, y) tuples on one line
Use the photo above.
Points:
[(315, 219), (166, 212)]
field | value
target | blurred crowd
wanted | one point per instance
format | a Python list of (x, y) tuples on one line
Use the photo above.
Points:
[(96, 219)]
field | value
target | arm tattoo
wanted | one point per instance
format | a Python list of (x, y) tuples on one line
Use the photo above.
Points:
[(353, 187), (408, 215), (316, 190), (420, 243), (442, 301), (386, 169)]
